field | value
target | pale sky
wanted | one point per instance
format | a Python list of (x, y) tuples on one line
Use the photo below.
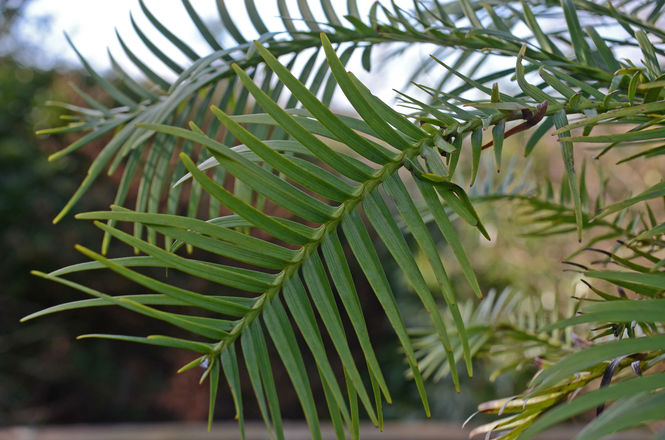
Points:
[(91, 25)]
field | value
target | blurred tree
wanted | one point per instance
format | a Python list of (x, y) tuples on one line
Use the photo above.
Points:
[(43, 376)]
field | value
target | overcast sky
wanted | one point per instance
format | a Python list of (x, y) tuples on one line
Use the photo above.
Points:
[(92, 25)]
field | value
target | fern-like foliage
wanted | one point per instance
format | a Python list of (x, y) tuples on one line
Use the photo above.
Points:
[(297, 183)]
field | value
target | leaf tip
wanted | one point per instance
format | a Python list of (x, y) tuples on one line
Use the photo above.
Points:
[(60, 215)]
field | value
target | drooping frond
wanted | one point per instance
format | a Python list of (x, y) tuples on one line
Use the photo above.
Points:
[(304, 275), (298, 184)]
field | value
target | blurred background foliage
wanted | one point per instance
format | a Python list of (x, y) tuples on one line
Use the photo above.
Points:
[(46, 376)]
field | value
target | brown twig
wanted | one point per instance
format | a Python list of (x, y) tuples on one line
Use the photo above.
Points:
[(531, 119)]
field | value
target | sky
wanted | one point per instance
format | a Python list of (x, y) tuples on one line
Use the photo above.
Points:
[(92, 26)]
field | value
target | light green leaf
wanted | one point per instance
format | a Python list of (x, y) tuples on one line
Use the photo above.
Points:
[(363, 249), (187, 296), (273, 226), (396, 189), (300, 307), (159, 340), (319, 289), (626, 413), (277, 323), (560, 120), (592, 400), (341, 276), (230, 367), (591, 356), (147, 299), (383, 223)]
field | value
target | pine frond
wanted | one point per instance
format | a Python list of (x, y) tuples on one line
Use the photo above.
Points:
[(363, 183), (295, 281)]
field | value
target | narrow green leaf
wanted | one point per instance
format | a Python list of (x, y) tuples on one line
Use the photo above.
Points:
[(363, 249), (229, 23), (652, 107), (147, 299), (254, 373), (470, 13), (255, 17), (454, 196), (391, 116), (499, 23), (404, 203), (654, 280), (338, 162), (333, 409), (558, 85), (287, 19), (260, 179), (649, 53), (339, 192), (651, 310), (177, 42), (542, 38), (175, 67), (91, 102), (220, 228), (187, 296), (229, 250), (582, 52), (229, 362), (476, 149), (381, 219), (658, 190), (243, 279), (88, 138), (352, 7), (213, 373), (364, 108), (129, 82), (277, 323), (265, 368), (321, 293), (497, 139), (561, 120), (200, 26), (592, 400), (527, 88), (605, 52), (362, 146), (591, 356), (341, 276), (257, 218), (329, 10), (571, 80), (147, 71), (629, 412), (112, 90), (209, 328), (158, 340), (353, 405), (300, 307), (448, 231), (308, 17), (538, 134)]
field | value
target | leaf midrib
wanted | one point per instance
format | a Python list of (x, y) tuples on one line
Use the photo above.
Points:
[(292, 269)]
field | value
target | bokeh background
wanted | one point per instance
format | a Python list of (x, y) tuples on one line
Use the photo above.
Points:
[(47, 377)]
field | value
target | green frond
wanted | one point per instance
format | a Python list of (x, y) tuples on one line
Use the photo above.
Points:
[(302, 183)]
